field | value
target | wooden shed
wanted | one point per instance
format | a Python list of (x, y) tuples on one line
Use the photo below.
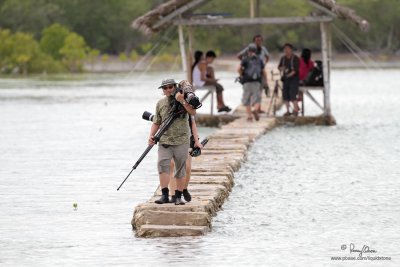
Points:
[(178, 13)]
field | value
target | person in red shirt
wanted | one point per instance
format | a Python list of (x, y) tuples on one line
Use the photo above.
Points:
[(306, 65)]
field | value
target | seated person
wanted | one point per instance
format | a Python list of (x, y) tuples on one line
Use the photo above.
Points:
[(306, 65), (201, 77)]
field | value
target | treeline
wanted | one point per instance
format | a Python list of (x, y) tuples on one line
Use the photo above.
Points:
[(60, 34)]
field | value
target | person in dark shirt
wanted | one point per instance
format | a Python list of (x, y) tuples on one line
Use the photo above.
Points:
[(289, 69)]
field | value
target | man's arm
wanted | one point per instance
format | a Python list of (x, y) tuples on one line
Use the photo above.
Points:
[(240, 69), (266, 54), (180, 97), (203, 73), (242, 53), (195, 133)]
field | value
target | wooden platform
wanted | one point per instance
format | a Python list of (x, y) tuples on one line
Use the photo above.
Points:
[(211, 181)]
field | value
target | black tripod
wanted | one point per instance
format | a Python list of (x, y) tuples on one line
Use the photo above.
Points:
[(177, 111)]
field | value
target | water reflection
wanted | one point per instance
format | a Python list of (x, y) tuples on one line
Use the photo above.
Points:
[(303, 192)]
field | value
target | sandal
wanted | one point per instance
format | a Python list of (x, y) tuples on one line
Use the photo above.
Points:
[(250, 119)]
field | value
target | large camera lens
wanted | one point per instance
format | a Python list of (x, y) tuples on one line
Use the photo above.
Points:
[(193, 100), (147, 116)]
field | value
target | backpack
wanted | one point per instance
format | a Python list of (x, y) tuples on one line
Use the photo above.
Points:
[(253, 70), (315, 76)]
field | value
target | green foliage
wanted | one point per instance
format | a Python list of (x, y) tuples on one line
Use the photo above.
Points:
[(105, 58), (134, 55), (74, 51), (106, 26), (20, 52), (123, 57), (144, 48), (52, 40)]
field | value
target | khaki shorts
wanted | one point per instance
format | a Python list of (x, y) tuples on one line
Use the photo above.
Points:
[(179, 153), (251, 93)]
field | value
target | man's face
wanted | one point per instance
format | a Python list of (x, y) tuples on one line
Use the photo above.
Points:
[(258, 41), (168, 89), (287, 51), (210, 60)]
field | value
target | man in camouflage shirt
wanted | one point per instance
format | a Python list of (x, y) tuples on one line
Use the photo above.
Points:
[(174, 143)]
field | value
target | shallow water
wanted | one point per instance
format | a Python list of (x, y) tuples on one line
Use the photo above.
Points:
[(303, 192)]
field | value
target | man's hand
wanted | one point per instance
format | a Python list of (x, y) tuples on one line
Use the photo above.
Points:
[(179, 97), (151, 141), (198, 144)]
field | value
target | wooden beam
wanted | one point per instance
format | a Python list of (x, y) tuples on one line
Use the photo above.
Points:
[(177, 12), (252, 21)]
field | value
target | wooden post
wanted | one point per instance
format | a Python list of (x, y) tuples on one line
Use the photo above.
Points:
[(190, 55), (252, 9), (326, 58), (182, 47)]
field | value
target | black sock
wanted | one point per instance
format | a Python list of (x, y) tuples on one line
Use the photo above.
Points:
[(178, 194), (165, 191)]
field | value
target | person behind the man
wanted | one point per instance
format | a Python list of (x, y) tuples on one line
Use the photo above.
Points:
[(252, 73), (174, 143), (193, 128), (289, 69), (261, 52)]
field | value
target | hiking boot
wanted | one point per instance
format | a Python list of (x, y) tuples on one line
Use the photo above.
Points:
[(173, 199), (178, 201), (186, 195), (163, 199)]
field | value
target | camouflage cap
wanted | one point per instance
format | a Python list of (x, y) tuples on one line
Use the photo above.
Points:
[(167, 82)]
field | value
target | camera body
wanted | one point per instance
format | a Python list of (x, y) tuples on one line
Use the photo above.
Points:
[(189, 97)]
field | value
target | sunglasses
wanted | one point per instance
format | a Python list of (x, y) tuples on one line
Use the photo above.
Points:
[(168, 87)]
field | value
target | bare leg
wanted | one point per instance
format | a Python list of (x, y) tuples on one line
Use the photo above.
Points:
[(188, 171), (257, 106), (180, 183), (248, 111), (220, 100), (172, 182), (287, 104), (296, 105), (164, 179)]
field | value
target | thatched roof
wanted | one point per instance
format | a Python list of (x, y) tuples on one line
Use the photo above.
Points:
[(163, 15)]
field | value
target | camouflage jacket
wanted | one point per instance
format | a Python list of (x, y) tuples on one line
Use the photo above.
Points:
[(178, 133)]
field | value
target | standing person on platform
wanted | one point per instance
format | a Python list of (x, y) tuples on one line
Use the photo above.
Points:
[(174, 143), (289, 68), (252, 74), (263, 54), (200, 78)]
